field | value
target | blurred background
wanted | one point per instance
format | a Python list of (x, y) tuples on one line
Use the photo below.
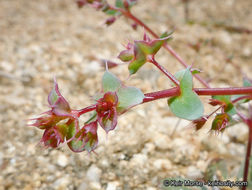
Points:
[(46, 38)]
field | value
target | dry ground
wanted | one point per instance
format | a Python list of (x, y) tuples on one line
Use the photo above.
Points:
[(45, 38)]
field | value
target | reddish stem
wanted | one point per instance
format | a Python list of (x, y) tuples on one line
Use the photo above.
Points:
[(214, 112), (200, 91), (223, 91), (85, 110), (166, 46), (248, 153), (161, 94), (241, 98), (167, 73)]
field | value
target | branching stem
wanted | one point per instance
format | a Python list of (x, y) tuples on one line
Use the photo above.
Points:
[(129, 15), (167, 73)]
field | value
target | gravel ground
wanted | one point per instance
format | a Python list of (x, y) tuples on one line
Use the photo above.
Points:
[(45, 38)]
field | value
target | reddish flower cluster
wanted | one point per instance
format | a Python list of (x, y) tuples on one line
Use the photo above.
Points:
[(60, 124)]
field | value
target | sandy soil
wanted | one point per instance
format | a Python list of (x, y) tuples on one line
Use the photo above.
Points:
[(45, 38)]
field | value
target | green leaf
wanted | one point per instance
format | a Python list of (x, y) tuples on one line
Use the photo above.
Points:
[(149, 49), (152, 47), (128, 97), (110, 82), (195, 71), (135, 65), (187, 105)]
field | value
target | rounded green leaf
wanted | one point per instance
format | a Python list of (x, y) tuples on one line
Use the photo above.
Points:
[(187, 105), (110, 82)]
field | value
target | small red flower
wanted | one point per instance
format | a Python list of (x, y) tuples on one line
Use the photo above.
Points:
[(106, 111)]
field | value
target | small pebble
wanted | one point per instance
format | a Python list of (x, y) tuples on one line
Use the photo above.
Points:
[(94, 173)]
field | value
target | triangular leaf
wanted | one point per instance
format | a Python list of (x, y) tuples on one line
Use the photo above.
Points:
[(152, 47), (128, 97)]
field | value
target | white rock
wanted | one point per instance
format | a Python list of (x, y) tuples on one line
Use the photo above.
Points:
[(236, 149), (83, 186), (94, 173), (224, 138), (161, 141), (246, 52), (139, 159), (93, 66), (151, 188), (148, 148), (62, 182), (224, 38), (105, 163), (6, 66), (95, 185), (112, 185), (193, 173), (77, 58), (62, 160), (178, 142), (238, 131), (162, 164)]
